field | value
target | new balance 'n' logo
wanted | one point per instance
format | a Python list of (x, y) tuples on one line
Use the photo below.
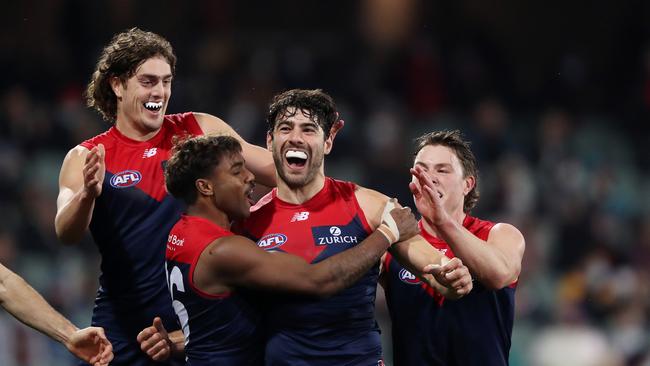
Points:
[(300, 216), (149, 152)]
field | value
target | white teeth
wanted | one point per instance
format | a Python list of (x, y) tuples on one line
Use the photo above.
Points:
[(296, 154), (153, 106)]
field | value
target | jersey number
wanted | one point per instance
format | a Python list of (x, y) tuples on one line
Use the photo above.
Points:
[(175, 279)]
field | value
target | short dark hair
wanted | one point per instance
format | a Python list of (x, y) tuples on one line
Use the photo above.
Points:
[(316, 104), (194, 158), (454, 140), (121, 58)]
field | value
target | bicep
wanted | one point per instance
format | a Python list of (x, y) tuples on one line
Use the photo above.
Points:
[(258, 159), (242, 263), (372, 204), (509, 241)]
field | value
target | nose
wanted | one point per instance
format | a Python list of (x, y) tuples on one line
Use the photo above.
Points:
[(249, 177), (296, 136), (158, 90)]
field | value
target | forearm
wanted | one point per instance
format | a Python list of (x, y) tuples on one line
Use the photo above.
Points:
[(26, 305), (73, 218), (486, 264), (342, 270)]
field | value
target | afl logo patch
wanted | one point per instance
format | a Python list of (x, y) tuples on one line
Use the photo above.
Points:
[(272, 241), (408, 277), (127, 178)]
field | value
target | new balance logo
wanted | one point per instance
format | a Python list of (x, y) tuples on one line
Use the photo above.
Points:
[(149, 152), (300, 216)]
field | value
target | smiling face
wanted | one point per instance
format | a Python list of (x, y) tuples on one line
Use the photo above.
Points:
[(299, 146), (231, 186), (142, 99), (442, 164)]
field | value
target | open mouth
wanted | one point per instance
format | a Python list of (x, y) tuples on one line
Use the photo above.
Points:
[(296, 159), (153, 106), (249, 194)]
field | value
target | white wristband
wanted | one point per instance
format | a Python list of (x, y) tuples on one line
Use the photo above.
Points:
[(388, 221)]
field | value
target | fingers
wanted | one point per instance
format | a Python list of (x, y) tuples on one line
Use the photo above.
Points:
[(158, 324), (457, 276), (153, 341)]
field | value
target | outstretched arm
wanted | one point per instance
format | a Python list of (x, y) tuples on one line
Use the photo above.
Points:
[(450, 278), (239, 262), (258, 160), (80, 182), (495, 263), (25, 304)]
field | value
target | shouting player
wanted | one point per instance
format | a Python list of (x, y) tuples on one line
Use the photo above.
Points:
[(320, 217), (209, 267)]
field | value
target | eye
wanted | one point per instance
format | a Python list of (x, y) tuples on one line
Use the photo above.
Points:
[(167, 82)]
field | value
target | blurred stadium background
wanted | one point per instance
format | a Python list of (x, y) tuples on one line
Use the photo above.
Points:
[(554, 95)]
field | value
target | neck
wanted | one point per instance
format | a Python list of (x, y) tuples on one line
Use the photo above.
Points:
[(302, 194), (130, 129), (457, 217), (209, 212)]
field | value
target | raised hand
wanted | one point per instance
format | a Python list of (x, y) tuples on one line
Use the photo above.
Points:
[(453, 275), (427, 197), (94, 171), (155, 342), (91, 345)]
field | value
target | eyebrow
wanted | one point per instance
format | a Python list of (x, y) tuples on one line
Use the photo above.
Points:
[(153, 76), (438, 165), (236, 165)]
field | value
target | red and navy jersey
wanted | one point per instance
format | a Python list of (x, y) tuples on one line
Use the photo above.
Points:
[(130, 223), (219, 329), (429, 330), (340, 330)]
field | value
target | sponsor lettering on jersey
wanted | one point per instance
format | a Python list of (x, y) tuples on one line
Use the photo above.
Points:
[(408, 277), (335, 237), (300, 216), (126, 178), (271, 241), (174, 241)]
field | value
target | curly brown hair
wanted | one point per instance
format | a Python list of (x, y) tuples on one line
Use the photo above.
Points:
[(454, 140), (193, 158), (121, 58), (316, 104)]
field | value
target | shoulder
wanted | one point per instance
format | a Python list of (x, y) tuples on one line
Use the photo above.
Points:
[(502, 229), (210, 124), (183, 123), (230, 248)]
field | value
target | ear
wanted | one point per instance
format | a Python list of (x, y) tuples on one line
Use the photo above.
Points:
[(269, 141), (469, 183), (329, 142), (117, 86), (336, 127), (204, 187)]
